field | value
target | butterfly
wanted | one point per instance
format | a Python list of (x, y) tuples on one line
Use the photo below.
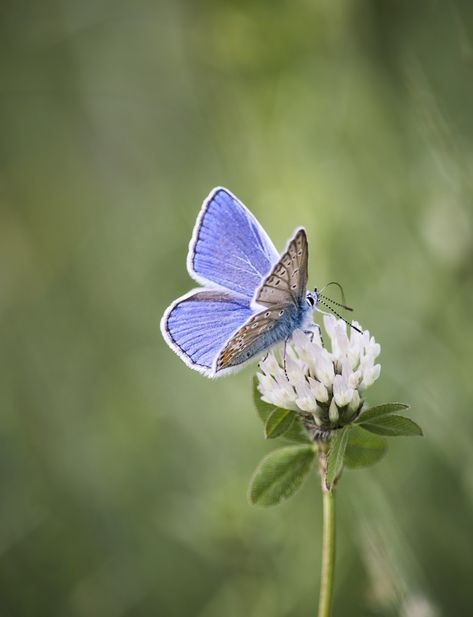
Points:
[(251, 297)]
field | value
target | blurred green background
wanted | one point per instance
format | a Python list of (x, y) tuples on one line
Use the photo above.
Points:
[(123, 473)]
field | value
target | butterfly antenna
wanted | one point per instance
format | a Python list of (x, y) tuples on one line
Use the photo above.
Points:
[(339, 287), (343, 306), (332, 310)]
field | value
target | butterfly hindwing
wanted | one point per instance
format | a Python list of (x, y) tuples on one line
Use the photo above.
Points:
[(198, 325), (258, 334), (287, 281)]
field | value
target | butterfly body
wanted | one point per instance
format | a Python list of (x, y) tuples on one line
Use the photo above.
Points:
[(284, 320), (251, 299)]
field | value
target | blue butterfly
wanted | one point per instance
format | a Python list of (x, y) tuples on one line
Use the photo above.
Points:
[(252, 297)]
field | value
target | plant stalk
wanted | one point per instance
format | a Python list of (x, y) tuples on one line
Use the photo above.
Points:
[(328, 553)]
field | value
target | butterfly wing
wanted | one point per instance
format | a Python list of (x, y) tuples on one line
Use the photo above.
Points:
[(229, 248), (287, 281), (282, 293), (260, 332), (198, 325)]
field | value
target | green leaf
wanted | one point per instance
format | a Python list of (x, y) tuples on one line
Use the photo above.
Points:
[(278, 423), (297, 433), (280, 474), (264, 409), (393, 426), (336, 453), (379, 411), (363, 448)]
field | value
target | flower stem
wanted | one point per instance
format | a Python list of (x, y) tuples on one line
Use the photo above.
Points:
[(328, 554)]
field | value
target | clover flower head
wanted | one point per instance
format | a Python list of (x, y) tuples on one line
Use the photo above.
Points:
[(325, 386)]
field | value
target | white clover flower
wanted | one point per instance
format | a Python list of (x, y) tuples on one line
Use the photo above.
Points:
[(325, 387)]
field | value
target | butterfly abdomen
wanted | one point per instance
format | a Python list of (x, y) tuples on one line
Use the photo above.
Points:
[(292, 319)]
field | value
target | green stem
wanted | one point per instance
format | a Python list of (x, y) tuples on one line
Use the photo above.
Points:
[(328, 554)]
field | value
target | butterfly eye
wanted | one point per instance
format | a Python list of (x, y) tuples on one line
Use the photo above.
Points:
[(310, 300)]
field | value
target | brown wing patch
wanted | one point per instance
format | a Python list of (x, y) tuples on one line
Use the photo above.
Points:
[(287, 282), (236, 350)]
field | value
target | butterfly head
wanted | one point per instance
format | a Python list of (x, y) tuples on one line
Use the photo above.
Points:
[(312, 298)]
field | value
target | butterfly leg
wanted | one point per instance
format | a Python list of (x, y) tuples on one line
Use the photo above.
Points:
[(265, 357), (311, 333), (284, 356)]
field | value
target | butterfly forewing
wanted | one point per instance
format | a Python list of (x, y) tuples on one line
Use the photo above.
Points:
[(229, 247), (198, 325), (287, 282)]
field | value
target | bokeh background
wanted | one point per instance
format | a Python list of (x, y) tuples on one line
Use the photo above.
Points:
[(123, 473)]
